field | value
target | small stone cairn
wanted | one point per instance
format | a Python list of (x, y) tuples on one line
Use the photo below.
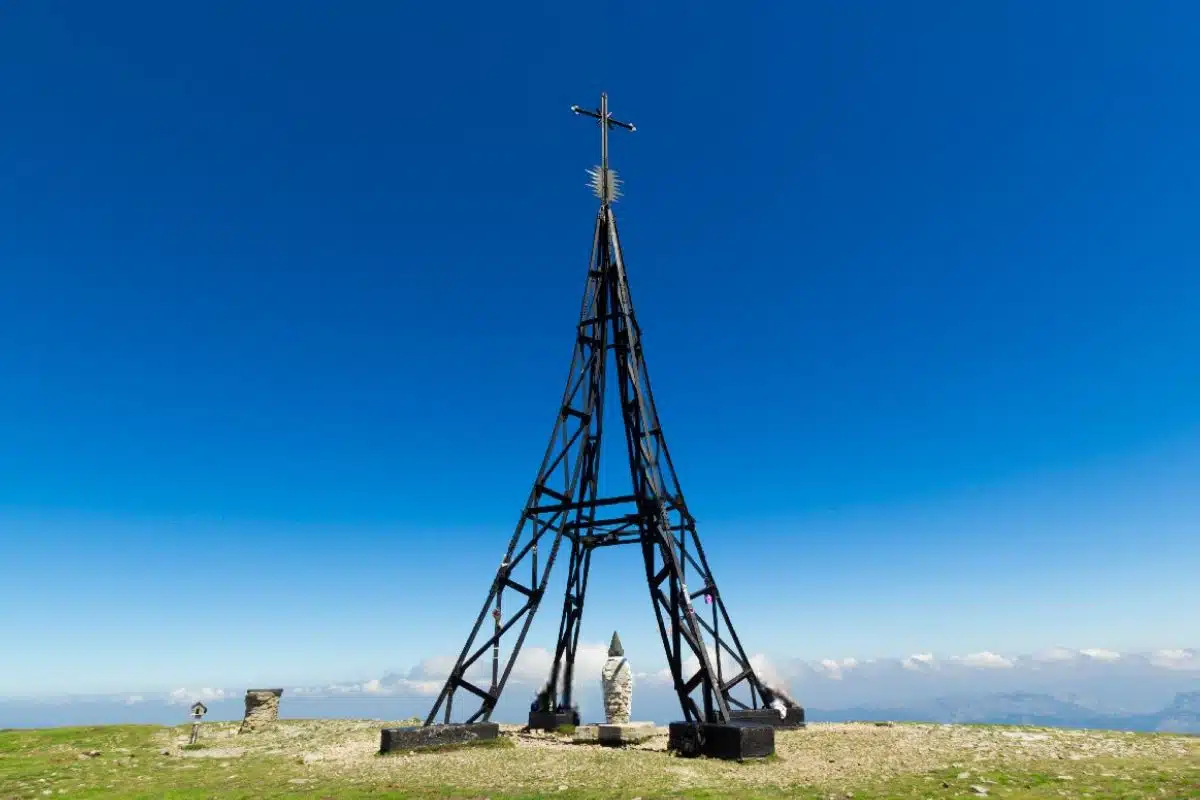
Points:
[(262, 709), (616, 679)]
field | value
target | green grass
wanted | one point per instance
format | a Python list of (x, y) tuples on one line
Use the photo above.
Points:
[(768, 759), (130, 765), (1102, 778), (565, 729)]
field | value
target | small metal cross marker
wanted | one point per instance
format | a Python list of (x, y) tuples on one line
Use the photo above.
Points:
[(604, 180)]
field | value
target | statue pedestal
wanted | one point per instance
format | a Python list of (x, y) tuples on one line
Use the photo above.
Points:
[(617, 734)]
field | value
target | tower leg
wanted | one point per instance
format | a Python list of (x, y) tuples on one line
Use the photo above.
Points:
[(553, 706), (560, 504)]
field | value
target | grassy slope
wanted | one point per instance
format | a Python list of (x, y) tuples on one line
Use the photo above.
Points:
[(43, 763)]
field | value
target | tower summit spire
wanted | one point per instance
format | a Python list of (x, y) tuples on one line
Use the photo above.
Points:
[(605, 183)]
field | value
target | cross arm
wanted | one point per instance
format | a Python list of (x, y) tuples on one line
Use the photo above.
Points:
[(596, 115)]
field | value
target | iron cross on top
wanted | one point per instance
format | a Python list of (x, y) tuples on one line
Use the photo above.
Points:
[(606, 122)]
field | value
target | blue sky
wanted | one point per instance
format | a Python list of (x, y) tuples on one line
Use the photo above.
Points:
[(286, 297)]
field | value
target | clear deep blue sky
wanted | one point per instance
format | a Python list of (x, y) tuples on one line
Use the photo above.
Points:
[(287, 291)]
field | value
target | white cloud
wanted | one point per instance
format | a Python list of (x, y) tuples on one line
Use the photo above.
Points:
[(691, 664), (830, 683), (387, 686), (343, 688), (767, 672), (424, 688), (427, 678), (188, 696), (435, 668), (533, 663), (532, 667), (1063, 654), (590, 658), (919, 661), (835, 669), (1175, 659), (663, 676), (985, 659)]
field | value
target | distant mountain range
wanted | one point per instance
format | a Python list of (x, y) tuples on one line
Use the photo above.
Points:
[(1023, 708)]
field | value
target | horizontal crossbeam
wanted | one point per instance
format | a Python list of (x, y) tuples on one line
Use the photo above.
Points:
[(560, 507)]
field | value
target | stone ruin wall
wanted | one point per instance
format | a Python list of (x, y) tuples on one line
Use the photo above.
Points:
[(262, 709)]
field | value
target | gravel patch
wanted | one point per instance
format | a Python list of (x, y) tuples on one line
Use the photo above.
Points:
[(214, 752), (824, 754)]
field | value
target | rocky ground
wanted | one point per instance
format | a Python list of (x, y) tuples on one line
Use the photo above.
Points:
[(338, 758)]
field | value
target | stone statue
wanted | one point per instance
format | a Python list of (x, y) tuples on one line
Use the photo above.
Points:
[(616, 679)]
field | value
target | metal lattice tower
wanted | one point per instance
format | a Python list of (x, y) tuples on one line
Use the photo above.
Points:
[(564, 507)]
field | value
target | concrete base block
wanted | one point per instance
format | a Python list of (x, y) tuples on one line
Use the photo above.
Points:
[(552, 720), (736, 741), (417, 737), (615, 735), (587, 734), (793, 718)]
